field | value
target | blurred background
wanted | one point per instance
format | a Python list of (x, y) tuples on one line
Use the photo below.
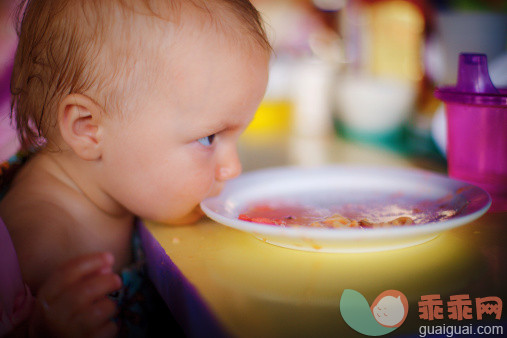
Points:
[(8, 42), (365, 71), (362, 71)]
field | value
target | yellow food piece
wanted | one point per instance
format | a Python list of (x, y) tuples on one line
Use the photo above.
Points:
[(339, 221)]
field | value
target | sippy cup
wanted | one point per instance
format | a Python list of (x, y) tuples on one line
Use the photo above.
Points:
[(477, 129)]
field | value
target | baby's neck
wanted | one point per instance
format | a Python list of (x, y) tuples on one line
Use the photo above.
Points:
[(56, 204), (81, 176)]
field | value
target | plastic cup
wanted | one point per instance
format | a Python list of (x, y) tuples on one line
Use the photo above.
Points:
[(477, 129)]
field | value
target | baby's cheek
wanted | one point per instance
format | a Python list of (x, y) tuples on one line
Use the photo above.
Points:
[(176, 195), (201, 186)]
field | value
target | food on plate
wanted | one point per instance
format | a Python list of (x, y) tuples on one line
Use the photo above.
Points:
[(338, 221), (293, 216)]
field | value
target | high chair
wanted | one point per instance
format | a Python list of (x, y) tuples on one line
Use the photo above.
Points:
[(15, 297)]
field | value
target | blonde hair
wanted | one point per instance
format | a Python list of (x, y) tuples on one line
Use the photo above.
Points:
[(79, 46)]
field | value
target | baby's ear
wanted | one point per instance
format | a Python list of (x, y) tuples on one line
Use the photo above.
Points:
[(79, 120)]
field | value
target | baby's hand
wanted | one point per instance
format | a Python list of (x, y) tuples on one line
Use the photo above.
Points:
[(73, 301)]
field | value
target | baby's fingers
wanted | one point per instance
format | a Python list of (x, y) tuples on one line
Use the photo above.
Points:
[(74, 270), (84, 293), (96, 320), (100, 313), (82, 309), (106, 331)]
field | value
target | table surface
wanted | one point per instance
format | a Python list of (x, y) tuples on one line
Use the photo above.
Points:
[(254, 289)]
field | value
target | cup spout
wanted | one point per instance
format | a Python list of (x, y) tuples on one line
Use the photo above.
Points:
[(473, 75)]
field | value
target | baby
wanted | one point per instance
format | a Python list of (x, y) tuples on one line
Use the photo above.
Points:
[(133, 109)]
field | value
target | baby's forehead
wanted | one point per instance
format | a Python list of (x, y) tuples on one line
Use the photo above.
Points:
[(161, 21), (178, 13), (156, 38), (168, 30), (234, 20)]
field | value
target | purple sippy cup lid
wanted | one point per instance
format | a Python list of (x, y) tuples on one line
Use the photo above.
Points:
[(474, 85)]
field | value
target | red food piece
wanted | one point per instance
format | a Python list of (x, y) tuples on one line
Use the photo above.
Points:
[(244, 217), (262, 220)]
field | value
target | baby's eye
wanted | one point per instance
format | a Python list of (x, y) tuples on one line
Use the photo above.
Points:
[(207, 141)]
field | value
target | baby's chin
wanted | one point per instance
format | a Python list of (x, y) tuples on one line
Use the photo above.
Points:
[(195, 215)]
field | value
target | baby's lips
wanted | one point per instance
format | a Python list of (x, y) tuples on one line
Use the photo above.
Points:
[(216, 190)]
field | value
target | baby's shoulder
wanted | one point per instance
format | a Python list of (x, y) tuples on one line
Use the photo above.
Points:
[(39, 232), (39, 226), (35, 204)]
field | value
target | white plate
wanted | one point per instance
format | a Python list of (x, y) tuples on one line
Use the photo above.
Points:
[(436, 202)]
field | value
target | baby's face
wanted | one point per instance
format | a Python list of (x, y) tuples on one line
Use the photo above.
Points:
[(179, 147)]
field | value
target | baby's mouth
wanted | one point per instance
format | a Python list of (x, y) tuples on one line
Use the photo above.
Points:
[(216, 190)]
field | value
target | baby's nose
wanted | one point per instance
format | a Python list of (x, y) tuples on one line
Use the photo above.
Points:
[(229, 169)]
